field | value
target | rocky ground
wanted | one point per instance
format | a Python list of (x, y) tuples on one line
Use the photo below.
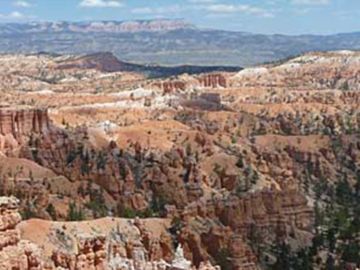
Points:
[(250, 170)]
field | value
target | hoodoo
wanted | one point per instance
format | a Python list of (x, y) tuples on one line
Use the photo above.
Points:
[(18, 123)]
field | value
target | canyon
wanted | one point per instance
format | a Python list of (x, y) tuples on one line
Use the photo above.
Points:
[(115, 169)]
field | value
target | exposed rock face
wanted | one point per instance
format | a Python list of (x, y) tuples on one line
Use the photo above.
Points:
[(105, 62), (212, 81), (56, 151), (185, 82), (329, 70), (92, 251), (180, 176), (114, 253), (171, 86), (15, 253), (269, 210), (138, 262), (17, 123), (91, 254), (271, 215), (23, 121), (236, 172)]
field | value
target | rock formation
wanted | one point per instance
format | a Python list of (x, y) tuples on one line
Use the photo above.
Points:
[(106, 253), (186, 83), (91, 252), (17, 123), (139, 263), (229, 166), (326, 70), (14, 252), (212, 81), (171, 86)]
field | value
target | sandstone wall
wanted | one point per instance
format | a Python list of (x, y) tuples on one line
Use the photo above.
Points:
[(23, 121), (92, 251), (18, 123), (15, 253), (213, 80)]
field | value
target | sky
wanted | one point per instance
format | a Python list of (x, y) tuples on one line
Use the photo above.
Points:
[(257, 16)]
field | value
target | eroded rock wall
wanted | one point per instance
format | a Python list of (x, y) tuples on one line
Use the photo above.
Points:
[(14, 252), (18, 123)]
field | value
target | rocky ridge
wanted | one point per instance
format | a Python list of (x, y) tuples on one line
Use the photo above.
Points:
[(328, 70), (91, 251)]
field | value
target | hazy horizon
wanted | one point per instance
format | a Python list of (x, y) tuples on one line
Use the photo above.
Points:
[(290, 17), (177, 19)]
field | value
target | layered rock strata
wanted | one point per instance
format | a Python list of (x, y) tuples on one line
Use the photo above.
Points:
[(17, 123)]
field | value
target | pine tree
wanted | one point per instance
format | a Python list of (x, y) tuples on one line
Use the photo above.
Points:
[(74, 214)]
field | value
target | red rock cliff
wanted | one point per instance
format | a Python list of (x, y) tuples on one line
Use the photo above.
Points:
[(23, 121), (15, 253), (213, 80), (17, 123)]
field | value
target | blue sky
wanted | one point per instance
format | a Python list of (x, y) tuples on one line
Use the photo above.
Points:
[(261, 16)]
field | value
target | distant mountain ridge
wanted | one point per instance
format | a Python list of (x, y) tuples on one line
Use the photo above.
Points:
[(96, 26), (165, 42), (107, 62)]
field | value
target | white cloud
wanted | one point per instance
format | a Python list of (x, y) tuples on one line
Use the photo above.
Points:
[(223, 8), (101, 3), (201, 1), (22, 4), (211, 7), (247, 9), (311, 2), (15, 15), (143, 10), (159, 10)]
